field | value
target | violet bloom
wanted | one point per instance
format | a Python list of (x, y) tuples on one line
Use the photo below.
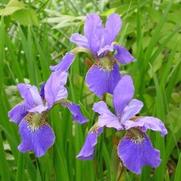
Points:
[(31, 114), (98, 39), (135, 149)]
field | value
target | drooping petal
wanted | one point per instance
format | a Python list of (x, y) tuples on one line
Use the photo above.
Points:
[(65, 63), (101, 81), (147, 122), (112, 28), (122, 94), (88, 149), (136, 154), (55, 87), (76, 112), (123, 55), (37, 140), (30, 94), (106, 118), (131, 109), (17, 113), (79, 40), (93, 30)]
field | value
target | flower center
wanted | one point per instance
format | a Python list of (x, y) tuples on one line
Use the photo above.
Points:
[(106, 63), (35, 120), (135, 135)]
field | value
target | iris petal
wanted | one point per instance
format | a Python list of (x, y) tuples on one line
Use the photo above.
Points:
[(65, 63), (123, 94), (79, 40), (37, 140), (76, 112), (133, 108), (101, 81), (106, 118), (17, 113), (55, 87), (147, 122), (93, 31), (88, 149), (136, 154), (30, 94), (112, 28), (123, 55)]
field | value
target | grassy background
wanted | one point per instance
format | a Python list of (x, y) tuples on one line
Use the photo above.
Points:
[(35, 34)]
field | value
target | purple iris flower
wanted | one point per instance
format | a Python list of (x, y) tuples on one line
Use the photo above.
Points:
[(31, 114), (135, 149), (98, 39)]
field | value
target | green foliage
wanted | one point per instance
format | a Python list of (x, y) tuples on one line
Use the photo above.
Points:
[(20, 13), (152, 32), (12, 7)]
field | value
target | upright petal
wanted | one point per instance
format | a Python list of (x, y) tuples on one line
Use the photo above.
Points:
[(106, 118), (136, 154), (17, 113), (54, 87), (79, 40), (30, 94), (65, 63), (88, 149), (101, 81), (93, 30), (147, 122), (112, 28), (123, 94), (37, 140), (76, 112), (123, 55), (131, 109)]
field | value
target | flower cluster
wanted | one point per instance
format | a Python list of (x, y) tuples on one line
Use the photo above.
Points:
[(135, 149)]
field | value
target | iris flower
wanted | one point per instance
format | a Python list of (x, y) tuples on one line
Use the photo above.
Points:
[(98, 40), (31, 115), (135, 149)]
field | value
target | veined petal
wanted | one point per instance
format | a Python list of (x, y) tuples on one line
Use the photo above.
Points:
[(112, 28), (136, 154), (55, 87), (93, 31), (131, 109), (147, 122), (17, 113), (123, 55), (106, 118), (79, 40), (37, 140), (30, 94), (65, 63), (88, 149), (122, 94), (101, 81), (76, 112)]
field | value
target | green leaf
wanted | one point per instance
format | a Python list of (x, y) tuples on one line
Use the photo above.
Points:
[(26, 17), (12, 7), (178, 173)]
